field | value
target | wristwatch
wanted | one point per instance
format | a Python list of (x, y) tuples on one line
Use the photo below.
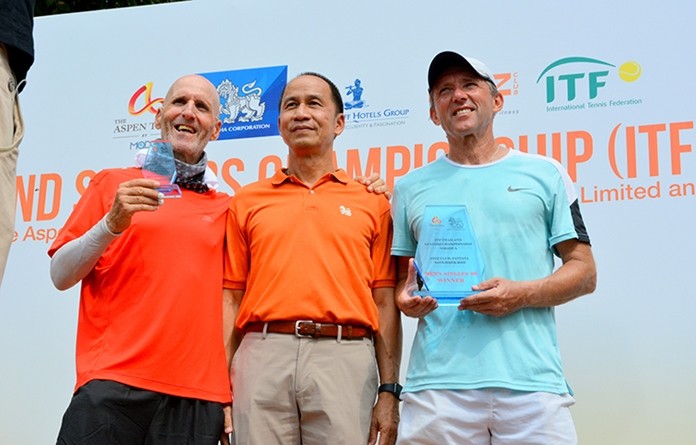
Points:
[(393, 388)]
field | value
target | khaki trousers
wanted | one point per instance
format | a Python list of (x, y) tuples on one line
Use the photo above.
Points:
[(303, 391), (11, 133)]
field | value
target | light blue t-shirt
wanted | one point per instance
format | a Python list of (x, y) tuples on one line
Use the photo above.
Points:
[(520, 207)]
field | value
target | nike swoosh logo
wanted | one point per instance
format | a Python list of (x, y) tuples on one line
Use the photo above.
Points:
[(512, 189)]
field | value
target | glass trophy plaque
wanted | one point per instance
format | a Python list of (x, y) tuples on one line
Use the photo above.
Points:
[(448, 259), (159, 165)]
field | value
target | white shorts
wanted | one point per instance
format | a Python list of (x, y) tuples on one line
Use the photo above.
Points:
[(492, 416)]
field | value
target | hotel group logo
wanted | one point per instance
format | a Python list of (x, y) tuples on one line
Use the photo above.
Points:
[(360, 112)]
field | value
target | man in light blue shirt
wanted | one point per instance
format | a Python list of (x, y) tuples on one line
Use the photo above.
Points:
[(489, 371)]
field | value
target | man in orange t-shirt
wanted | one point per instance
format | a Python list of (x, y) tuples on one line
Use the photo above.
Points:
[(151, 364), (310, 282)]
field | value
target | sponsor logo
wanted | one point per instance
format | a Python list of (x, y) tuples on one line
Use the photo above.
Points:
[(244, 95), (508, 85), (141, 145), (582, 83), (455, 223), (355, 91), (141, 101), (140, 123), (249, 100), (361, 113)]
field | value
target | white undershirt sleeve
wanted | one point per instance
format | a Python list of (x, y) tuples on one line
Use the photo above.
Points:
[(73, 261)]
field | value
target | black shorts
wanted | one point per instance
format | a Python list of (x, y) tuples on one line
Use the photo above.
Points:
[(103, 412)]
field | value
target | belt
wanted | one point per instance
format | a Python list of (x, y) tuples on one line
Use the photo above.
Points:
[(310, 329)]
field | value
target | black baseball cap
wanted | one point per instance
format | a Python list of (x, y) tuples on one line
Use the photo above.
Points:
[(449, 59)]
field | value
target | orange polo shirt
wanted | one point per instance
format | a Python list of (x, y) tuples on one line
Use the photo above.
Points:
[(308, 253)]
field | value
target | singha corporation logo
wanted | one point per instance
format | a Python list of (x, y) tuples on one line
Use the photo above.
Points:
[(243, 98), (232, 104), (455, 223)]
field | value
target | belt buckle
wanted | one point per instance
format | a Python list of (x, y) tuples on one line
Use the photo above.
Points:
[(297, 329)]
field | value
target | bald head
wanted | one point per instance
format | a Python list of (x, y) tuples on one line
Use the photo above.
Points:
[(190, 117), (196, 81)]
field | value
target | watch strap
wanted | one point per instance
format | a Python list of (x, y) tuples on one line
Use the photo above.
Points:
[(393, 388)]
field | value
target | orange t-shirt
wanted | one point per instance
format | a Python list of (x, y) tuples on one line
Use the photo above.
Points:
[(308, 253), (151, 308)]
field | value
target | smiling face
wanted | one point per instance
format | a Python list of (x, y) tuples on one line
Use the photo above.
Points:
[(309, 119), (189, 117), (462, 104)]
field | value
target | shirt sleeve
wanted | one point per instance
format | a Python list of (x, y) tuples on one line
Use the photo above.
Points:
[(94, 203), (236, 250), (404, 243), (384, 264)]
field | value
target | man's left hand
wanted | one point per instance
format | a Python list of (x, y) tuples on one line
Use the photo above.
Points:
[(385, 420), (374, 184), (498, 297)]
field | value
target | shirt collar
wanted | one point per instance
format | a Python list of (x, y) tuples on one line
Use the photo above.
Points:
[(281, 176)]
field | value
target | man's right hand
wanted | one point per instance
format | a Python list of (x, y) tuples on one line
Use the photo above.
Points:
[(136, 195), (414, 305)]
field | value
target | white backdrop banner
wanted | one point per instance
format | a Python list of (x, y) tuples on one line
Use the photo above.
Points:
[(602, 87)]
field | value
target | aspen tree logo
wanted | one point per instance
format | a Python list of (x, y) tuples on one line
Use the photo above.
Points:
[(142, 101), (579, 83), (140, 122)]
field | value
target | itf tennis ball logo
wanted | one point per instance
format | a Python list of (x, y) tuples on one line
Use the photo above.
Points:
[(582, 78), (630, 71)]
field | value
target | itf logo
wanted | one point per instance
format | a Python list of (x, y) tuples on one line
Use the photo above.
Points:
[(249, 100), (575, 80)]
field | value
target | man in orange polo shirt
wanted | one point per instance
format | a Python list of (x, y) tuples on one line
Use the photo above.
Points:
[(309, 280)]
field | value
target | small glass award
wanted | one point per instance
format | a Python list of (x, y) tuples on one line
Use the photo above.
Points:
[(448, 259), (159, 165)]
